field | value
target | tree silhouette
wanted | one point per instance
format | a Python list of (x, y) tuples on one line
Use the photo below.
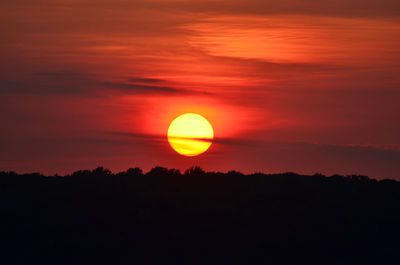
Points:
[(134, 172), (164, 217), (158, 171), (101, 172), (195, 171)]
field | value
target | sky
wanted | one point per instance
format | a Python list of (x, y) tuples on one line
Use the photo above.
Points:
[(289, 85)]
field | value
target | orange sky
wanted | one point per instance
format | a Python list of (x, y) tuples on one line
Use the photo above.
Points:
[(288, 85)]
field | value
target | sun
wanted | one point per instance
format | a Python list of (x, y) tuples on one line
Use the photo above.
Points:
[(190, 134)]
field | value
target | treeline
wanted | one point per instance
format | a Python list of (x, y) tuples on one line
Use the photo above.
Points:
[(165, 216), (100, 172)]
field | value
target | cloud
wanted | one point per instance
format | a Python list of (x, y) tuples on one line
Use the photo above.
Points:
[(388, 8), (6, 85), (145, 80), (137, 136), (298, 39), (35, 87), (70, 82), (64, 75), (141, 89)]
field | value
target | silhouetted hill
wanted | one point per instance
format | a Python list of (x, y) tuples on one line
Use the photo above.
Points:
[(165, 217)]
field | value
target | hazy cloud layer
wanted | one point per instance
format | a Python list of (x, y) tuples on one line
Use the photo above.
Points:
[(328, 7), (130, 149), (77, 83)]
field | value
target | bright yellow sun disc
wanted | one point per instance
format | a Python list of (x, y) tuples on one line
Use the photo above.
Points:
[(190, 134)]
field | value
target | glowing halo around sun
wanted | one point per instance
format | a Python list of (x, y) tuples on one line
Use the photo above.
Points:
[(190, 134)]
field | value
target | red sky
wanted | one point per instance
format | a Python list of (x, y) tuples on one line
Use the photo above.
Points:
[(289, 85)]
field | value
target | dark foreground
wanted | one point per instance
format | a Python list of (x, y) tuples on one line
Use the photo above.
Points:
[(163, 217)]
